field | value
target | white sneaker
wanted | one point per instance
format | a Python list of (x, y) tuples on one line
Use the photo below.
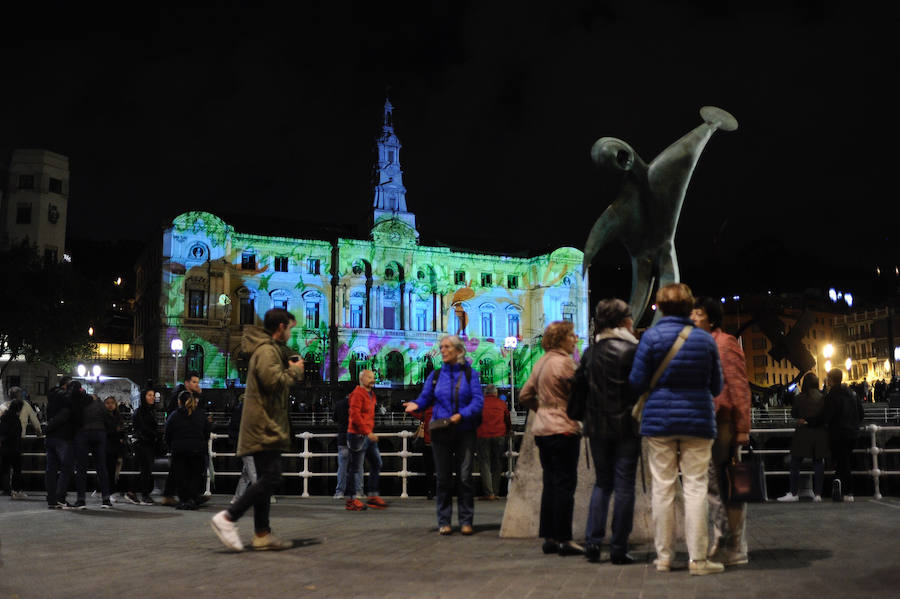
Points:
[(702, 567), (817, 499), (849, 498), (788, 498), (227, 531), (18, 495)]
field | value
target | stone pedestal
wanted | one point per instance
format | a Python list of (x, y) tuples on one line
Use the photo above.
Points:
[(522, 515)]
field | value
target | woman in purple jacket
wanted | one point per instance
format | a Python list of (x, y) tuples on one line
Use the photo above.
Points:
[(679, 423)]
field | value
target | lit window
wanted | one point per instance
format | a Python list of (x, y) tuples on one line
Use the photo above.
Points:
[(281, 263), (196, 303), (248, 261)]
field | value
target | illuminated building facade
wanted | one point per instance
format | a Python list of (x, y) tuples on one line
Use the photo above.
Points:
[(381, 303)]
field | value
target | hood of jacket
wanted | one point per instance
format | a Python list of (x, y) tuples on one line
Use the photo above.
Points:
[(253, 338)]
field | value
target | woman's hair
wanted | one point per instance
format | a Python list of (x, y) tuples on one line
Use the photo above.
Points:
[(190, 404), (810, 381), (713, 309), (144, 393), (610, 313), (555, 333), (458, 345), (675, 299)]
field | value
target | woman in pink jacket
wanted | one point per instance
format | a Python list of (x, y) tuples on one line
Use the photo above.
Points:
[(729, 543)]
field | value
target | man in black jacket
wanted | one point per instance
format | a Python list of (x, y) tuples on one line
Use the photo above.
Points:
[(60, 432), (190, 389)]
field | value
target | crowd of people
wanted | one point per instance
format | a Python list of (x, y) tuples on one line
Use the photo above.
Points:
[(682, 386)]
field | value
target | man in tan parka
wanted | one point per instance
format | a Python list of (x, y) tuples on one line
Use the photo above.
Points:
[(265, 430)]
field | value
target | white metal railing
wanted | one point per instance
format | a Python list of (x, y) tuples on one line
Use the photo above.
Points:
[(873, 449)]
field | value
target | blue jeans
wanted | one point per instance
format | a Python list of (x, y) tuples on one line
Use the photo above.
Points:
[(95, 442), (615, 462), (60, 460), (248, 476), (343, 458), (462, 446), (361, 448)]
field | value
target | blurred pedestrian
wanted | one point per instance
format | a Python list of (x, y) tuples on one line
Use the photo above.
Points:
[(841, 415), (11, 450), (91, 437), (601, 386), (556, 435), (187, 434), (148, 442), (61, 424), (116, 447), (809, 441), (491, 442), (265, 428), (679, 422)]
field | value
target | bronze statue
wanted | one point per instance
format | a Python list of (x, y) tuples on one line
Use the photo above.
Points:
[(645, 213)]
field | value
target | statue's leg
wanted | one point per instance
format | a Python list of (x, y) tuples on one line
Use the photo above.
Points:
[(642, 280), (668, 266)]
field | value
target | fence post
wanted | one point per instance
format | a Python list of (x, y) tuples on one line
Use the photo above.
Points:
[(304, 474), (876, 472), (404, 471)]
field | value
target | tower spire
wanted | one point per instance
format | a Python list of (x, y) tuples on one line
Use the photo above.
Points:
[(389, 194)]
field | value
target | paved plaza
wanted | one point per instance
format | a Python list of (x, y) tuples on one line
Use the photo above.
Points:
[(797, 550)]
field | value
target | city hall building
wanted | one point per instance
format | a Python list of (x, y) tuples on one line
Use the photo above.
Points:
[(381, 303)]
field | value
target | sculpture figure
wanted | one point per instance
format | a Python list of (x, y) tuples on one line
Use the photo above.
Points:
[(645, 213)]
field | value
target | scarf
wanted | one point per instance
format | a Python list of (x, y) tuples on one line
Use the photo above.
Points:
[(616, 333)]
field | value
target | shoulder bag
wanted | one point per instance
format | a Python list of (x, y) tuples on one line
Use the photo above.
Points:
[(637, 412), (443, 429), (745, 481)]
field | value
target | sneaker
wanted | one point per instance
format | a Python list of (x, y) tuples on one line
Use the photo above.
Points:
[(339, 495), (147, 500), (817, 499), (467, 530), (354, 505), (272, 499), (788, 498), (54, 506), (269, 542), (65, 505), (662, 566), (169, 501), (227, 531), (849, 498), (131, 497), (18, 495), (702, 567), (376, 502), (80, 505), (729, 557), (105, 504), (836, 494)]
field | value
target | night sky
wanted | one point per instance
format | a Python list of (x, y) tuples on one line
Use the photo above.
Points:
[(273, 110)]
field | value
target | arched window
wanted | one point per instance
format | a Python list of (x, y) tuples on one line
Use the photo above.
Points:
[(359, 361), (247, 299), (280, 299), (487, 320), (513, 324), (394, 366)]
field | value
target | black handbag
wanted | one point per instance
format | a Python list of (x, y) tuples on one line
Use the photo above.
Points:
[(746, 480)]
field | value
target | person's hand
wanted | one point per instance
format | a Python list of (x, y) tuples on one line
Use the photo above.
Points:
[(742, 439), (296, 362), (373, 437), (410, 406), (456, 418)]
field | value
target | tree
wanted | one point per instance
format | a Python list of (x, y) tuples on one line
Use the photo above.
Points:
[(47, 309)]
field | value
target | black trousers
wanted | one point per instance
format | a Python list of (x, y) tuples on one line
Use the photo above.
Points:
[(841, 453), (11, 459), (259, 494), (144, 455), (559, 460), (188, 469)]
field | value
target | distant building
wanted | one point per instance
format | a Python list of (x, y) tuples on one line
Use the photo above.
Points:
[(867, 338), (35, 201), (381, 303)]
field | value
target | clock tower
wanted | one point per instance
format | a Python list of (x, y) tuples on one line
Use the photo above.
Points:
[(389, 200)]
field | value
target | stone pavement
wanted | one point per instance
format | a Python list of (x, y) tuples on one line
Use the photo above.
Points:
[(797, 550)]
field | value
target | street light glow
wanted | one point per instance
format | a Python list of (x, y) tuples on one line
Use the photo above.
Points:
[(96, 370), (848, 364), (81, 370), (828, 351), (177, 345), (827, 365)]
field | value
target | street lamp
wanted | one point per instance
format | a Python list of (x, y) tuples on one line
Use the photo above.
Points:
[(96, 370), (827, 366), (511, 343), (81, 370), (828, 350), (177, 347), (847, 364)]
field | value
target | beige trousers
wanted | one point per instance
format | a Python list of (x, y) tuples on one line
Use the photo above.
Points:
[(692, 454)]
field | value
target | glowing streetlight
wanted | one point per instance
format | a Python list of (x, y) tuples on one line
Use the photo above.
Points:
[(81, 370), (96, 370), (848, 363), (828, 350), (177, 346), (887, 366), (827, 365)]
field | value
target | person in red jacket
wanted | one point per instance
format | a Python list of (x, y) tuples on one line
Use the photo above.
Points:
[(363, 443), (491, 443), (733, 425)]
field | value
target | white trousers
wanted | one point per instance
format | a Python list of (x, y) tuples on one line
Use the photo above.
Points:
[(693, 455)]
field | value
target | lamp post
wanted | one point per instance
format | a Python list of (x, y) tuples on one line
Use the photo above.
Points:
[(177, 347), (511, 343)]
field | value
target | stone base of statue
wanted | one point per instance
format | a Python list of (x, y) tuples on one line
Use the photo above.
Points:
[(521, 518)]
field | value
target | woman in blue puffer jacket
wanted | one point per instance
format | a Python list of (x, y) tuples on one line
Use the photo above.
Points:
[(680, 424), (455, 392)]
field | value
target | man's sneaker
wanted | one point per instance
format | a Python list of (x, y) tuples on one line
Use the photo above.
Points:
[(105, 504), (65, 505), (817, 499), (730, 557), (788, 498), (147, 500), (702, 567), (272, 499), (269, 542), (338, 495), (355, 505), (131, 497), (18, 495), (54, 506), (836, 494), (849, 498), (376, 502), (169, 501), (227, 531), (79, 505), (662, 566)]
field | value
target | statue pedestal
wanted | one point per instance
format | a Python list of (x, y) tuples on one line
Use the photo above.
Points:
[(521, 518)]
